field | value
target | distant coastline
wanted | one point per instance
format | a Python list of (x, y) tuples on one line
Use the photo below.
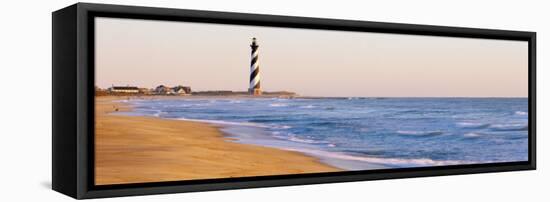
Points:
[(186, 91), (278, 94), (161, 90)]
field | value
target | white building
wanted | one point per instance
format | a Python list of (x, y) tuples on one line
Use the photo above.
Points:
[(123, 89), (178, 90)]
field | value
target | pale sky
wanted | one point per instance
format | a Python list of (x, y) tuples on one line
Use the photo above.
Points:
[(147, 53)]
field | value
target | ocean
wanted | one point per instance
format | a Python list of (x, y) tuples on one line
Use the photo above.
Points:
[(365, 133)]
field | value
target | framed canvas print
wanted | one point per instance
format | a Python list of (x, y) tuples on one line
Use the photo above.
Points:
[(155, 100)]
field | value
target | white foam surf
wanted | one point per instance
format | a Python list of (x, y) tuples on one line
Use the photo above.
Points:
[(384, 161), (509, 127), (521, 113), (472, 125), (225, 123), (277, 105)]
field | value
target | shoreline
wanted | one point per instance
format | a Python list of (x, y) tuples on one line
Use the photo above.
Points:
[(264, 129), (142, 149)]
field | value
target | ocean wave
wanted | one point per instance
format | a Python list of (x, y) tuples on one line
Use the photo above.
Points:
[(521, 113), (184, 105), (264, 120), (308, 141), (158, 113), (293, 138), (516, 137), (470, 125), (409, 111), (382, 161), (225, 123), (234, 123), (308, 107), (419, 133), (494, 127), (323, 123), (187, 105), (472, 135), (280, 126), (509, 127), (364, 130), (278, 105), (365, 152)]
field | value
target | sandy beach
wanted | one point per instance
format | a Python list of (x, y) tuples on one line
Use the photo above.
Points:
[(132, 149)]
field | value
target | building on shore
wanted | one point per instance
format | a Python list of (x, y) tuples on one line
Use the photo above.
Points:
[(124, 89), (162, 90), (182, 89), (145, 91), (178, 90)]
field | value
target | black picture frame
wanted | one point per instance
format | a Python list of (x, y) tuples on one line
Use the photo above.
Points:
[(73, 99)]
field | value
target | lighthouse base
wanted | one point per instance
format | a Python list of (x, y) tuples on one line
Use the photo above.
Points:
[(255, 91)]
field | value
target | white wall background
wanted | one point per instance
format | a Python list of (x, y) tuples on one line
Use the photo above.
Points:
[(25, 103)]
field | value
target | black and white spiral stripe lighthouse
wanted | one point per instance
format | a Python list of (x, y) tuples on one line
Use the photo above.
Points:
[(254, 88)]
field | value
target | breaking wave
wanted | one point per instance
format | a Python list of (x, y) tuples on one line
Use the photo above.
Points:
[(470, 125), (419, 133)]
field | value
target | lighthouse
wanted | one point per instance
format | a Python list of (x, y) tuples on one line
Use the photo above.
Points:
[(254, 88)]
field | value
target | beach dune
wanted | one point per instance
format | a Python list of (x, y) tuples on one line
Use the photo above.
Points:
[(134, 149)]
